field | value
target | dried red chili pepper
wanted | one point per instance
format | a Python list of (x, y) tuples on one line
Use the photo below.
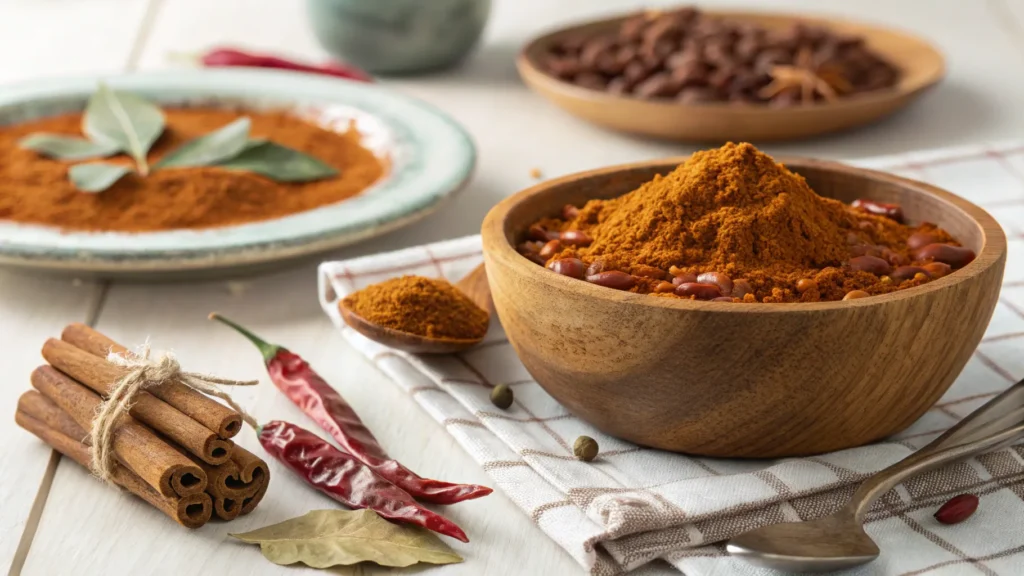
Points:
[(303, 386), (232, 57), (347, 480)]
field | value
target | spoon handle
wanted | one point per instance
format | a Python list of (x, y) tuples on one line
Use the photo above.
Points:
[(476, 287), (999, 422), (995, 415)]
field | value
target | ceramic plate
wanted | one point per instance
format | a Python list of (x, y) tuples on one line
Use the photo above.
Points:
[(429, 158)]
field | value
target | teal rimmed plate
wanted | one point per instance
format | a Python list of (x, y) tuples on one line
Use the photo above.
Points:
[(429, 158)]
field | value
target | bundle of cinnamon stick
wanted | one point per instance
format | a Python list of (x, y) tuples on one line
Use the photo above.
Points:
[(173, 450)]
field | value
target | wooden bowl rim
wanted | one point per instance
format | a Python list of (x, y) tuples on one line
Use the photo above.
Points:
[(496, 245), (531, 71)]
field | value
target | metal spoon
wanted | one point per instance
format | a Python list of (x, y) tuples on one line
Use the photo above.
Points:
[(474, 285), (839, 541)]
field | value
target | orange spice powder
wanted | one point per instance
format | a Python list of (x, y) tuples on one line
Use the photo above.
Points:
[(36, 189)]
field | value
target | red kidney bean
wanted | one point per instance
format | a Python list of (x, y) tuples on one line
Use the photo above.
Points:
[(684, 278), (719, 279), (872, 264), (854, 239), (893, 257), (955, 256), (921, 239), (937, 269), (698, 290), (741, 288), (722, 299), (890, 211), (596, 267), (531, 252), (570, 212), (575, 238), (540, 234), (854, 294), (904, 273), (572, 267), (531, 246), (805, 284), (550, 249), (665, 287), (613, 279), (862, 250)]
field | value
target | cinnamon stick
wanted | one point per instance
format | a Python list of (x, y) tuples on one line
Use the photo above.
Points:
[(249, 502), (251, 467), (223, 481), (100, 375), (160, 465), (46, 420), (201, 408), (227, 508)]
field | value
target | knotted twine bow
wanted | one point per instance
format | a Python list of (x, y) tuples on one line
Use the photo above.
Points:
[(146, 373)]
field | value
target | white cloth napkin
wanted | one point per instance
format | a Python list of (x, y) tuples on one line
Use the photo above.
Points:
[(633, 505)]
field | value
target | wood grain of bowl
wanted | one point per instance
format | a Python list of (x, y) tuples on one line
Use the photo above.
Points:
[(921, 65), (744, 380)]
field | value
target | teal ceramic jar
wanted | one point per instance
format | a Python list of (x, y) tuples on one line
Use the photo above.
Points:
[(398, 36)]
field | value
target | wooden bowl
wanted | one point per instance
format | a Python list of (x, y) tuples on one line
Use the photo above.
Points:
[(921, 64), (744, 380)]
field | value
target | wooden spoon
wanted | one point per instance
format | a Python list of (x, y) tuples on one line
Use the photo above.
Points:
[(474, 285)]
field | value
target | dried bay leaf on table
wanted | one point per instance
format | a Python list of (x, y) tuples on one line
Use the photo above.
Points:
[(124, 119), (96, 176), (217, 146), (279, 163), (325, 538), (64, 147)]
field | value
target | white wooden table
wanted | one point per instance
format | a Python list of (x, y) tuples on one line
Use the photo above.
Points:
[(54, 519)]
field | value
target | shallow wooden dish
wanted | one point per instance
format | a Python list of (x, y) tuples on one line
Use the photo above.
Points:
[(922, 66), (744, 380)]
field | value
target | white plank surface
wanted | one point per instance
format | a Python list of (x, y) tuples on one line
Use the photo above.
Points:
[(515, 131), (43, 38), (47, 38), (125, 536), (54, 303)]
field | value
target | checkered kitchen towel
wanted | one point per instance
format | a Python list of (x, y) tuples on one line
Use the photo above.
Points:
[(633, 505)]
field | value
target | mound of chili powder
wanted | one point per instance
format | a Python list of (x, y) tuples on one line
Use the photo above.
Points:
[(737, 212)]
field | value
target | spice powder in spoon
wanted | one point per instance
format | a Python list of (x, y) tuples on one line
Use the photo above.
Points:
[(423, 306)]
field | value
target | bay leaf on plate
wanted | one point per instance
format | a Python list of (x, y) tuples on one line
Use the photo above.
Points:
[(279, 163), (125, 120), (96, 176), (325, 538), (64, 147), (217, 146)]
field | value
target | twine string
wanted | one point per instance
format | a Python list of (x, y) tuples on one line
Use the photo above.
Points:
[(146, 373)]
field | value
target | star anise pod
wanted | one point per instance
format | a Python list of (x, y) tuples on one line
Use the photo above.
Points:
[(807, 76)]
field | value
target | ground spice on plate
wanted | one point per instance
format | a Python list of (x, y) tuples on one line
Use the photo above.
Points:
[(757, 228), (423, 306), (37, 190)]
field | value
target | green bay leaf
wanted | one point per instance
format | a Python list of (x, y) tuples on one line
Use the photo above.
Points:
[(125, 120), (325, 538), (217, 146), (64, 147), (96, 176), (279, 163)]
